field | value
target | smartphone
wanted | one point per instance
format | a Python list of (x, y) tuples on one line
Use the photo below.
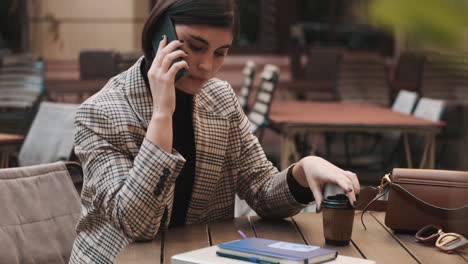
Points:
[(166, 27)]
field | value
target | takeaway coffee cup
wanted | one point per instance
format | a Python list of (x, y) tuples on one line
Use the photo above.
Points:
[(338, 218)]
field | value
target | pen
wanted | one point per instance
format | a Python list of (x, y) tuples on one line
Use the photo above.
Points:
[(241, 233), (249, 259)]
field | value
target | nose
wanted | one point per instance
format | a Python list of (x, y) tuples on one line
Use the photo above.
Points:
[(205, 64)]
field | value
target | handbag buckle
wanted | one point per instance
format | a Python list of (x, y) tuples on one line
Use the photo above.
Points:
[(384, 182)]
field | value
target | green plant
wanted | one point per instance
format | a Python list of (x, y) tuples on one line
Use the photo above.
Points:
[(440, 23)]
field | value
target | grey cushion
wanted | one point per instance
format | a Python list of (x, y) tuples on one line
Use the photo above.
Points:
[(39, 209), (50, 137)]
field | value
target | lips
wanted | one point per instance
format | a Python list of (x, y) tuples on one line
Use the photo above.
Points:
[(200, 79)]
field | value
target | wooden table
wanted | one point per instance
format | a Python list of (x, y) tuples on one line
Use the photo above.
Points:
[(8, 143), (377, 242), (294, 117)]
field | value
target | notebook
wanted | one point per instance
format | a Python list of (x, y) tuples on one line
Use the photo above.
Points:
[(274, 251), (208, 256)]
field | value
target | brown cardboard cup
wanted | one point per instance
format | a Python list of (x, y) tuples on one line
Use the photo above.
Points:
[(338, 218)]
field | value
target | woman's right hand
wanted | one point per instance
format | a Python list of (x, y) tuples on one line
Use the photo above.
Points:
[(161, 76)]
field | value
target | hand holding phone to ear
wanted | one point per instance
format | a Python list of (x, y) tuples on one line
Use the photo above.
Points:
[(162, 73), (161, 76)]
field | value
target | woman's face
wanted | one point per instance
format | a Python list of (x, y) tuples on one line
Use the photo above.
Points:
[(207, 46)]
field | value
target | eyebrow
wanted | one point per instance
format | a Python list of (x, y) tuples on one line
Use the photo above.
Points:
[(204, 41)]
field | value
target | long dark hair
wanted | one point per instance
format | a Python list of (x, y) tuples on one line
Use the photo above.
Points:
[(217, 13)]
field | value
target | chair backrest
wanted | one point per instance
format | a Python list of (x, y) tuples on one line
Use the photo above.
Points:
[(409, 70), (248, 73), (445, 77), (50, 137), (431, 109), (321, 72), (39, 210), (97, 64), (405, 102), (258, 116), (363, 78), (21, 90)]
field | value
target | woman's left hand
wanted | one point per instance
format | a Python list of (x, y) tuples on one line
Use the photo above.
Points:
[(314, 172)]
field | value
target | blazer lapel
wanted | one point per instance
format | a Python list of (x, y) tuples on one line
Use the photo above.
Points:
[(138, 95), (211, 132)]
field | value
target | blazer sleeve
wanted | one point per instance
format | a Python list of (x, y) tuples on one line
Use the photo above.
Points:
[(131, 192), (264, 188)]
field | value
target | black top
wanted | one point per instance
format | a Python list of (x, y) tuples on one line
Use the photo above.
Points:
[(184, 143)]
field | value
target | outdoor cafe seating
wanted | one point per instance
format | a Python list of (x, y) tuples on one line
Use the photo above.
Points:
[(403, 133)]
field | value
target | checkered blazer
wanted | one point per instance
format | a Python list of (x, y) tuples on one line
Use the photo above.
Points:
[(129, 182)]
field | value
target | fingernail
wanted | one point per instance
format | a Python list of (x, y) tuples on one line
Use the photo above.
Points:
[(317, 209), (181, 40), (162, 37), (349, 189)]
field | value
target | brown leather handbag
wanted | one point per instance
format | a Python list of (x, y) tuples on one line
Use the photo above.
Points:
[(425, 197)]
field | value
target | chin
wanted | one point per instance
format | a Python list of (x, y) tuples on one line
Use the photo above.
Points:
[(189, 85)]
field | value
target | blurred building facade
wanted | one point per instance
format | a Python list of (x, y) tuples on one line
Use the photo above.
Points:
[(59, 29)]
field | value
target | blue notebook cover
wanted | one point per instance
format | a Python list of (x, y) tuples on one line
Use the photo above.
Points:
[(279, 249)]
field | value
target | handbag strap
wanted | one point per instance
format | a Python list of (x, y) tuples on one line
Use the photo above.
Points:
[(382, 189)]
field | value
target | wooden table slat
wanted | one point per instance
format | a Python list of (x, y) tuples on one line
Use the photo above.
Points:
[(183, 239), (10, 139), (425, 253), (376, 243), (310, 225), (284, 230), (225, 231), (141, 253)]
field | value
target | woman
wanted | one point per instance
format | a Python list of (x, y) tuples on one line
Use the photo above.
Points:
[(158, 153)]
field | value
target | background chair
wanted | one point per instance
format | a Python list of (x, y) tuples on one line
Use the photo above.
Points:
[(258, 116), (40, 209), (363, 77), (445, 77), (249, 76), (21, 90), (408, 72), (97, 64), (405, 101), (430, 109), (380, 153), (319, 75)]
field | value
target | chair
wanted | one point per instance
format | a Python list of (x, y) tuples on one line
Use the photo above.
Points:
[(405, 102), (383, 147), (445, 77), (21, 90), (363, 78), (97, 64), (50, 137), (317, 80), (249, 74), (40, 209), (258, 116), (408, 72), (430, 109)]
